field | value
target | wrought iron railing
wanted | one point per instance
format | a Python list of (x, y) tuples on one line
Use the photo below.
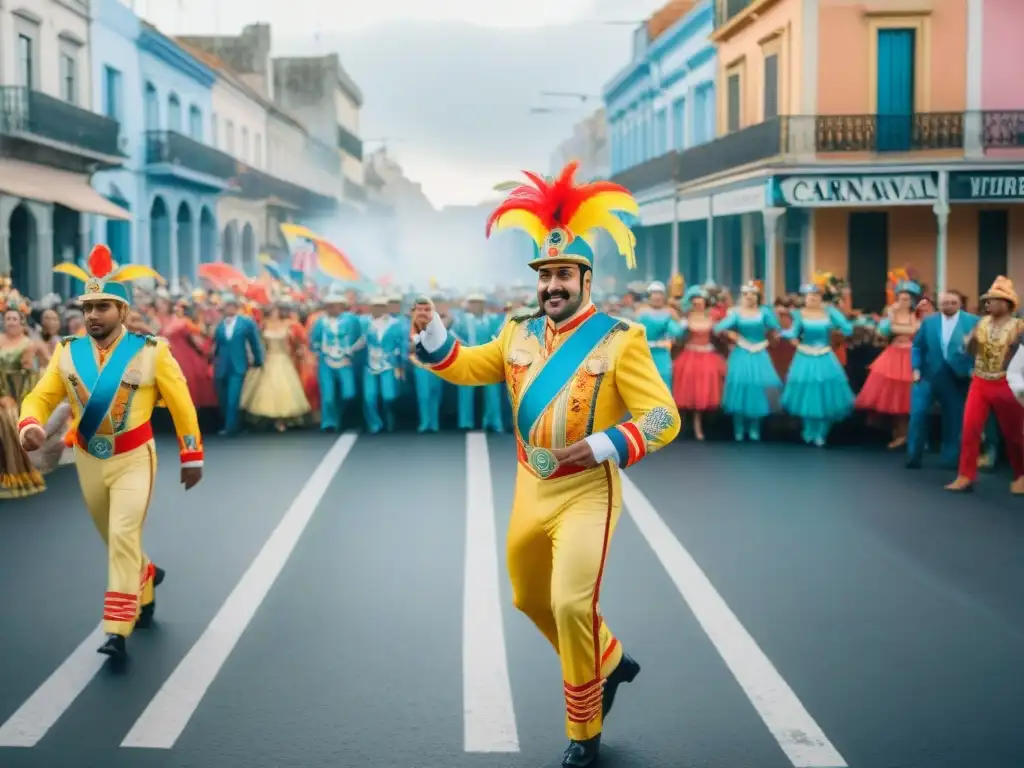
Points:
[(174, 148), (873, 133), (1002, 129), (31, 112), (797, 138)]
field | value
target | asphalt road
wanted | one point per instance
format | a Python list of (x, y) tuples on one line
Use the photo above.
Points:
[(789, 606)]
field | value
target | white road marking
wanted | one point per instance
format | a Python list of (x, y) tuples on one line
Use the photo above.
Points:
[(800, 737), (164, 720), (53, 698), (488, 711)]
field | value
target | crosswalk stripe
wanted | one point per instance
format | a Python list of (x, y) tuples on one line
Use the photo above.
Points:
[(800, 737), (52, 699), (164, 720), (488, 711)]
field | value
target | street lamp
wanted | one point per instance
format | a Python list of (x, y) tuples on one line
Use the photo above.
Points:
[(583, 97), (554, 110)]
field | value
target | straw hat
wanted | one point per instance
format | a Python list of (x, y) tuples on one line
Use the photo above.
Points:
[(1002, 288)]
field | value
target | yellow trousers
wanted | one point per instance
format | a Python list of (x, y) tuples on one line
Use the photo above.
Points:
[(117, 493), (558, 542)]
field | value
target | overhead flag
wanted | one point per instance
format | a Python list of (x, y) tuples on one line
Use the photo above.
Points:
[(311, 252)]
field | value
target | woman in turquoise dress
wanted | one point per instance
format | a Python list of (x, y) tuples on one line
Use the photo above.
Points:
[(751, 381), (817, 389), (662, 329)]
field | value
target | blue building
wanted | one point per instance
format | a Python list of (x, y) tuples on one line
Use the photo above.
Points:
[(181, 175), (659, 105), (116, 93)]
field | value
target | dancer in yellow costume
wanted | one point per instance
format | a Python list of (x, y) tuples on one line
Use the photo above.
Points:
[(573, 374), (113, 378)]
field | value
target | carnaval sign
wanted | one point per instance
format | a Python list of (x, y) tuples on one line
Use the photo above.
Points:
[(839, 191), (990, 185)]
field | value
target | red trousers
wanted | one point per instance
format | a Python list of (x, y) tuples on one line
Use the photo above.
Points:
[(983, 397)]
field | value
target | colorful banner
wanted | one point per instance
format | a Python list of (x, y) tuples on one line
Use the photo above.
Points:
[(311, 253)]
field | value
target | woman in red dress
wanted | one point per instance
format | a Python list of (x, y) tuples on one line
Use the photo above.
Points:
[(891, 377), (191, 349), (698, 373)]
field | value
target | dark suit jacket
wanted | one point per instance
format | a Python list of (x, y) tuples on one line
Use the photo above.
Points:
[(231, 356), (926, 354)]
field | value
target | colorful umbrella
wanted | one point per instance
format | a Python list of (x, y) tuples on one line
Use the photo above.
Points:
[(221, 275), (330, 260)]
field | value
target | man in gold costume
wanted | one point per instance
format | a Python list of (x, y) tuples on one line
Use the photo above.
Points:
[(992, 343), (573, 374), (113, 378)]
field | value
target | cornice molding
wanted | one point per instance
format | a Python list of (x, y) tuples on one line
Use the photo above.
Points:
[(169, 53)]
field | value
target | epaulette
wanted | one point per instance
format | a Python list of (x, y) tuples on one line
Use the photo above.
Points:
[(521, 314), (65, 340), (151, 341)]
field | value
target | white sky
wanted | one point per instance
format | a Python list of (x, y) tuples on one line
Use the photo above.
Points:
[(449, 174)]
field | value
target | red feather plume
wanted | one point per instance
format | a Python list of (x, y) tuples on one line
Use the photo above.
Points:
[(555, 202), (101, 262)]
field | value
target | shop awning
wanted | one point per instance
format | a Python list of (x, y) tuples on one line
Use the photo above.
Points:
[(52, 185)]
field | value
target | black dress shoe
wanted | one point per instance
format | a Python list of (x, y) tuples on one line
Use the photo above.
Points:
[(581, 753), (625, 672), (113, 647)]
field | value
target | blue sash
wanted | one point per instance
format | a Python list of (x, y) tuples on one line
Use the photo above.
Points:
[(101, 384), (560, 368)]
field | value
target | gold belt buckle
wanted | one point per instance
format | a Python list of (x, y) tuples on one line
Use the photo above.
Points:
[(542, 461)]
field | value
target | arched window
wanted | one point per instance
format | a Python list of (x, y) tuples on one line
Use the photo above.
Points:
[(195, 123), (152, 116), (174, 113)]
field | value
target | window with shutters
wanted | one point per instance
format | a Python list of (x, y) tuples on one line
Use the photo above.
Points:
[(771, 86), (733, 94)]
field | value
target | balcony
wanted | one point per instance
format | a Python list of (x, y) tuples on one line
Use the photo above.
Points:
[(1003, 130), (169, 148), (657, 172), (806, 139), (750, 145), (32, 115), (254, 184), (350, 144)]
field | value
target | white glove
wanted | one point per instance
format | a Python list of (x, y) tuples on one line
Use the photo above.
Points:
[(1015, 374), (434, 335)]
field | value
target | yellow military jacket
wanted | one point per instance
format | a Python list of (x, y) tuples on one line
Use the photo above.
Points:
[(152, 374), (591, 387)]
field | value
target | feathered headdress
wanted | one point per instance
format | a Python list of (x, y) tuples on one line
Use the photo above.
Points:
[(104, 279), (12, 301), (901, 281), (559, 214)]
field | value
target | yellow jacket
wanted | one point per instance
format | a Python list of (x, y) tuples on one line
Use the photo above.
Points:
[(151, 375), (616, 378)]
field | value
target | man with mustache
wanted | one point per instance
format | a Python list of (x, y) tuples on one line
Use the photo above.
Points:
[(112, 379), (573, 374)]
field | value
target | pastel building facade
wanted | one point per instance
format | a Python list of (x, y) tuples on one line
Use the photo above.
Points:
[(857, 137), (661, 104), (116, 91), (183, 174)]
